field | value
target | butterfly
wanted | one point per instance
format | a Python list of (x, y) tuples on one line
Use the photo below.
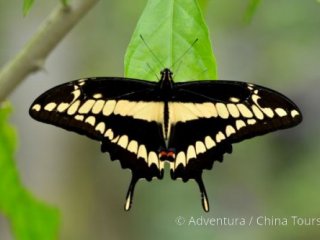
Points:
[(144, 124)]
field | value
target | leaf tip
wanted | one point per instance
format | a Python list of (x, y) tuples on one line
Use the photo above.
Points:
[(27, 5)]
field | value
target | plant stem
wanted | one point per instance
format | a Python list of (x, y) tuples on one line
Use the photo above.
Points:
[(32, 56)]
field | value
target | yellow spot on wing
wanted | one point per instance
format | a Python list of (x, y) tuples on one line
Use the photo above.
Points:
[(294, 113), (180, 159), (50, 106), (101, 127), (36, 107), (251, 121), (108, 107), (209, 142), (91, 120), (200, 147), (109, 134), (268, 112), (230, 130), (98, 106), (97, 95), (79, 117), (74, 107), (234, 99), (86, 106), (123, 141), (244, 110), (219, 137), (233, 110), (62, 107), (152, 159), (142, 152), (240, 124), (257, 112), (281, 112), (222, 110), (191, 153), (133, 146), (76, 94)]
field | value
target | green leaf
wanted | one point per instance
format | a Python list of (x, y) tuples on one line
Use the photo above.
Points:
[(29, 218), (169, 27), (251, 9), (203, 4), (27, 4)]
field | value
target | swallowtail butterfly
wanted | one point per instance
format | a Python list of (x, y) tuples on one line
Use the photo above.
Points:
[(144, 124)]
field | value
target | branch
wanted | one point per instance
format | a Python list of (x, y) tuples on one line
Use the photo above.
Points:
[(32, 57)]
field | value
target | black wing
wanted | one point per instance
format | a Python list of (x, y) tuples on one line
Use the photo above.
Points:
[(115, 111), (221, 113)]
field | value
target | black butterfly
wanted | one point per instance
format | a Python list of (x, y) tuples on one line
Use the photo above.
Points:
[(145, 124)]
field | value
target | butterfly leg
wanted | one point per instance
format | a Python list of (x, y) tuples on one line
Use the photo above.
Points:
[(204, 197), (130, 192)]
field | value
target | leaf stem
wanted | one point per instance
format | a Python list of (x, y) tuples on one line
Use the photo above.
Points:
[(32, 56)]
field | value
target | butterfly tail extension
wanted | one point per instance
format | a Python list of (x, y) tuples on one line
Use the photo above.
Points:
[(129, 197), (204, 196)]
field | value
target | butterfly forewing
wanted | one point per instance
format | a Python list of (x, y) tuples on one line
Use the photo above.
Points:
[(113, 111), (81, 105)]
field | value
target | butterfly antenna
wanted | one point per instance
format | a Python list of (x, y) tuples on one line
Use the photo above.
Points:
[(199, 75), (152, 53), (187, 51), (152, 70), (178, 68)]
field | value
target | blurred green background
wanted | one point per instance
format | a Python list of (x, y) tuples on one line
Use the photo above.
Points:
[(274, 176)]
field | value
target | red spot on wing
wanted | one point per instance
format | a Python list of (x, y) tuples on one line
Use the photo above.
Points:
[(167, 155)]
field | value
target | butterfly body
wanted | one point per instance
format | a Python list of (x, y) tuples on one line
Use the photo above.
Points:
[(144, 124)]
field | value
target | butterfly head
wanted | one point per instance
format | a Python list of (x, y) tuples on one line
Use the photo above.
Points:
[(166, 79), (166, 75)]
